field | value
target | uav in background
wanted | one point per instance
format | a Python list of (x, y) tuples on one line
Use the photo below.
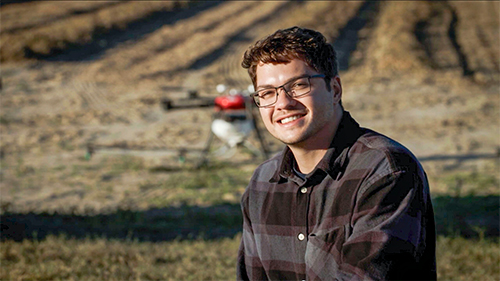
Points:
[(233, 121)]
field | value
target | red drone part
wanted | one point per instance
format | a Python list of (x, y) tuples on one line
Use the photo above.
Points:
[(230, 102)]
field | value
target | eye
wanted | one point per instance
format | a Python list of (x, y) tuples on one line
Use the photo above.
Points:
[(300, 84), (267, 93)]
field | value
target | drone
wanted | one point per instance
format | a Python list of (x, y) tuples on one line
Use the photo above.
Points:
[(233, 121)]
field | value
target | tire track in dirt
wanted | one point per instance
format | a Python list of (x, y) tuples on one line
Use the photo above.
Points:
[(426, 51), (91, 95), (434, 37), (111, 41), (62, 13), (438, 36), (94, 98), (153, 49), (393, 49), (85, 36), (232, 72), (486, 44), (181, 32), (228, 67), (316, 15), (350, 44), (452, 34), (477, 32), (195, 57)]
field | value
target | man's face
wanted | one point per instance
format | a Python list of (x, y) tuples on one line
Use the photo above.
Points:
[(304, 121)]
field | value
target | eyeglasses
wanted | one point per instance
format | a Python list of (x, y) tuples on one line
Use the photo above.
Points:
[(295, 88)]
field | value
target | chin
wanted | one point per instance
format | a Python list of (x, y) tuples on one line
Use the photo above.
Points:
[(293, 140)]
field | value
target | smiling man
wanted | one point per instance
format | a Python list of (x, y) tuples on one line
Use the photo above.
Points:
[(340, 202)]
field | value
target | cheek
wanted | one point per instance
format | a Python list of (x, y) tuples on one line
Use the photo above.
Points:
[(266, 115), (325, 102)]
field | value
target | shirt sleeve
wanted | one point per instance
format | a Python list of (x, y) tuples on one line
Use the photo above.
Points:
[(249, 266), (387, 233)]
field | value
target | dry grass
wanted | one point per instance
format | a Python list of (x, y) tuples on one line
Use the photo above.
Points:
[(60, 258), (164, 241), (462, 259)]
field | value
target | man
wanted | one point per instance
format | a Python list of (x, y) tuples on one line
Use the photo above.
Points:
[(340, 202)]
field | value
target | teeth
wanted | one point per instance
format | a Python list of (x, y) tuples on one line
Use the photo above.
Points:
[(290, 119)]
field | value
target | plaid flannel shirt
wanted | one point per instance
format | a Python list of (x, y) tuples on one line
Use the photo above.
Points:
[(364, 213)]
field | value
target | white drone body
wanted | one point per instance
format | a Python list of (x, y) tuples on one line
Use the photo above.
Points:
[(232, 132)]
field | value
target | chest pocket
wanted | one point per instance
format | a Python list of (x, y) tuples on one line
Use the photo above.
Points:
[(323, 253)]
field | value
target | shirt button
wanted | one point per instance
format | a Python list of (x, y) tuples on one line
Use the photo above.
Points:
[(303, 190), (301, 236)]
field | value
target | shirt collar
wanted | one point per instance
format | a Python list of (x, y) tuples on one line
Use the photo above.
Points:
[(335, 158)]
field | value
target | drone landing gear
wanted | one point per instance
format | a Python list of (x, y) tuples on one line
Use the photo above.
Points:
[(228, 150)]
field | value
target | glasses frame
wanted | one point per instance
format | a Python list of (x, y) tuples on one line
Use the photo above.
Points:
[(255, 95)]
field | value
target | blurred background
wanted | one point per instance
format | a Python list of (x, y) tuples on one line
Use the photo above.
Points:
[(101, 177)]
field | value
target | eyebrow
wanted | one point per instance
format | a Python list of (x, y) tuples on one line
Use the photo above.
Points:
[(266, 86)]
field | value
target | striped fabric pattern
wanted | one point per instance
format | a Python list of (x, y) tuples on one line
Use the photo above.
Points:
[(364, 213)]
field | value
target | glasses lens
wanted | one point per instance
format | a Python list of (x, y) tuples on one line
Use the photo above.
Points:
[(295, 88), (299, 87), (265, 97)]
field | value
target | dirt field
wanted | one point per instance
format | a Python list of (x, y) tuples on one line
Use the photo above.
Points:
[(426, 74), (75, 73)]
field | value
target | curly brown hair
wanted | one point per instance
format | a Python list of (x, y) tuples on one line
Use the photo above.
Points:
[(284, 45)]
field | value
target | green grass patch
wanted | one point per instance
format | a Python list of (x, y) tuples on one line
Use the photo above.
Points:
[(471, 183), (470, 216), (111, 165), (212, 185), (4, 120), (124, 164), (183, 222), (468, 259), (470, 206)]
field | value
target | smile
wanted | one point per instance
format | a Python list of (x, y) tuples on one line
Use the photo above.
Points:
[(289, 119)]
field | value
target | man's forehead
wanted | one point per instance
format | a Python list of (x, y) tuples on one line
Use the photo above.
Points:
[(269, 72), (262, 63)]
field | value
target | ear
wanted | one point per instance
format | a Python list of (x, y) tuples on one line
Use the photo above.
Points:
[(336, 86)]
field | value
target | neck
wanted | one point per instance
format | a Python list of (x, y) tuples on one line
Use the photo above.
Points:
[(307, 159), (309, 153)]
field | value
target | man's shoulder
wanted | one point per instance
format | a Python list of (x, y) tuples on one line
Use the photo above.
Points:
[(261, 180), (267, 169), (373, 148), (376, 141)]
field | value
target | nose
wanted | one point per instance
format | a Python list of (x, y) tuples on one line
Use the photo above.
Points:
[(283, 101)]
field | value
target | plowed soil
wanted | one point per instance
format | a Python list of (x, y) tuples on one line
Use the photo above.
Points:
[(73, 73)]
